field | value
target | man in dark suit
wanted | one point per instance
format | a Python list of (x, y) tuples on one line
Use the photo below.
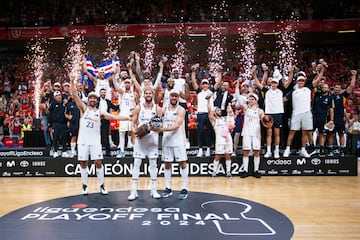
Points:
[(223, 97), (105, 105)]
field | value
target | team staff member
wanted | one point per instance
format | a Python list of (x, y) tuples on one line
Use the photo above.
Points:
[(339, 116), (89, 140), (58, 121)]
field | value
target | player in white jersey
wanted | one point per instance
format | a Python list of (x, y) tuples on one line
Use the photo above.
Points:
[(251, 133), (127, 102), (89, 141), (174, 144), (99, 82), (223, 126), (146, 146)]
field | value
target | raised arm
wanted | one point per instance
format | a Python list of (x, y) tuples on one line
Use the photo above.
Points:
[(193, 78), (80, 104), (84, 70), (351, 87)]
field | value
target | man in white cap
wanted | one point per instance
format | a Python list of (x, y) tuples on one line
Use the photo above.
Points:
[(203, 93), (174, 144), (301, 116)]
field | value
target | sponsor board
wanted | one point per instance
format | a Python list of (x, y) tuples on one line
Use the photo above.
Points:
[(67, 167)]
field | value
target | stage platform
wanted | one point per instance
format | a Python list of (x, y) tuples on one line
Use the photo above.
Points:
[(36, 162)]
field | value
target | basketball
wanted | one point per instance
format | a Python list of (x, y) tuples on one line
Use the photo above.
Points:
[(267, 121)]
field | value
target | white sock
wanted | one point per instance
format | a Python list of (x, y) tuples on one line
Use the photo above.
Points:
[(110, 139), (100, 175), (268, 148), (246, 163), (122, 141), (84, 175), (276, 147), (228, 165), (287, 148), (167, 175), (136, 168), (153, 172), (215, 166), (73, 146), (134, 184), (256, 163), (184, 175)]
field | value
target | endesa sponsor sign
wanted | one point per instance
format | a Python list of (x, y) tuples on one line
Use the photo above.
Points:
[(25, 166)]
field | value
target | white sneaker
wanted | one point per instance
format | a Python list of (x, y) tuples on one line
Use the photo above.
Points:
[(130, 145), (155, 194), (112, 145), (133, 195), (103, 190), (187, 145), (276, 154), (286, 153), (207, 153), (55, 155), (267, 155), (304, 153), (200, 153), (65, 155), (73, 153)]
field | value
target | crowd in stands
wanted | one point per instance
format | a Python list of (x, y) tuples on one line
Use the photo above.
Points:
[(17, 108), (22, 13)]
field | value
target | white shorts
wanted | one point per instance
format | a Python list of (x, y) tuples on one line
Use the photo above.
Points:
[(223, 148), (145, 148), (303, 121), (170, 153), (251, 142), (84, 150), (125, 126)]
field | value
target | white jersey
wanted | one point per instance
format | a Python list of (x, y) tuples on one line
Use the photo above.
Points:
[(89, 128), (251, 122), (222, 136), (127, 102), (166, 101), (144, 117), (103, 84), (274, 101), (301, 100), (179, 84), (177, 137)]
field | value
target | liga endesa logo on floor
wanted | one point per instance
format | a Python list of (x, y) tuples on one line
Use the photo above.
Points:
[(200, 216)]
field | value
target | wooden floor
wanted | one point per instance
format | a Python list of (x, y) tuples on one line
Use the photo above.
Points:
[(321, 207)]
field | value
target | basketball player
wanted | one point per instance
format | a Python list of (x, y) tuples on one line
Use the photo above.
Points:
[(251, 133), (127, 102), (89, 141), (223, 126), (174, 144), (146, 146)]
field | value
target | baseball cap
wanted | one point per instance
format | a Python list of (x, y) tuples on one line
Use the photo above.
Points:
[(127, 80), (57, 84), (93, 94), (66, 84), (204, 81), (174, 91)]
